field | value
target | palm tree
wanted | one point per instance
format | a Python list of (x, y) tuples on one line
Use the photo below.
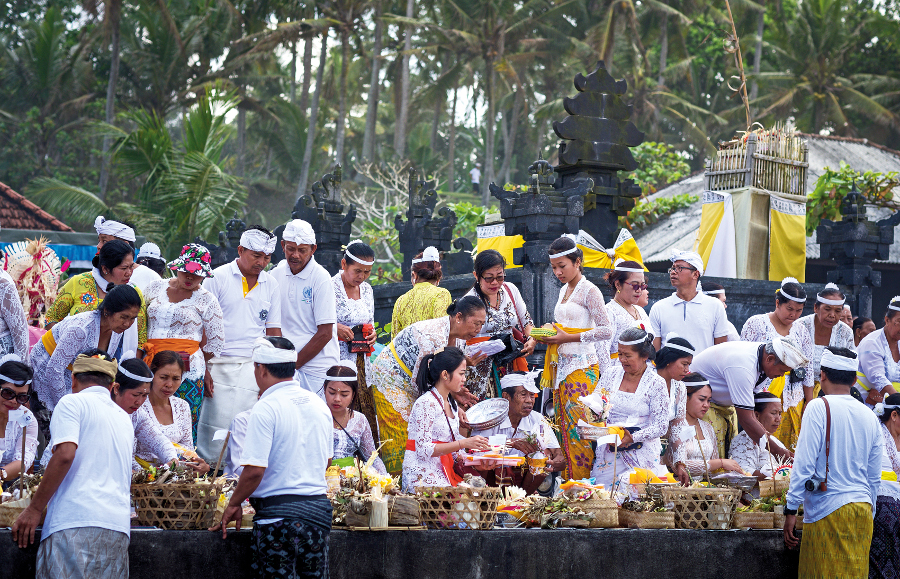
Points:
[(368, 148), (313, 117), (403, 105)]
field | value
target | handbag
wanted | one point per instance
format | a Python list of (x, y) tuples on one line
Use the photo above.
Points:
[(519, 364), (447, 463)]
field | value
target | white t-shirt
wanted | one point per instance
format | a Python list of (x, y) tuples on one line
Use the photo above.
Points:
[(143, 276), (531, 424), (289, 434), (238, 434), (732, 369), (246, 317), (307, 301), (476, 175), (96, 491), (698, 321)]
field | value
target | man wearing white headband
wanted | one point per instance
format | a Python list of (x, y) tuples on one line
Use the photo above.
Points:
[(879, 358), (836, 476), (251, 309), (735, 370), (309, 317), (698, 318), (107, 230), (527, 433), (287, 449)]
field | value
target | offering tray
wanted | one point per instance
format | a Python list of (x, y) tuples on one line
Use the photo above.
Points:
[(488, 413), (591, 432)]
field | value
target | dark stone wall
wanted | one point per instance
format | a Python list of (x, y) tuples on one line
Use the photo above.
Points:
[(746, 297), (496, 554)]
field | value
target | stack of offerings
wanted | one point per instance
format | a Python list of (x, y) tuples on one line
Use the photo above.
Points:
[(469, 505), (361, 498), (174, 498), (13, 503), (702, 507)]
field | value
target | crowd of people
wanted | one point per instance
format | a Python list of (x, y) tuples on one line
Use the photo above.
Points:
[(287, 360)]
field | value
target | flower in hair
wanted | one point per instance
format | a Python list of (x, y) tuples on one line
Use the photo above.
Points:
[(879, 409)]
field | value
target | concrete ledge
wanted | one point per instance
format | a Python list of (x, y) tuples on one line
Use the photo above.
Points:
[(496, 554)]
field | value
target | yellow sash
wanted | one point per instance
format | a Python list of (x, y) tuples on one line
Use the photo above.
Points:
[(861, 384), (889, 475), (614, 356), (399, 361), (551, 358), (49, 342), (777, 385)]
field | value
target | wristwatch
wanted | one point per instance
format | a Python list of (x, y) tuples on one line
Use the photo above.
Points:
[(789, 512)]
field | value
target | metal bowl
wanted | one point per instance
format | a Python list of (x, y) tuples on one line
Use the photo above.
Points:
[(734, 480), (591, 432), (488, 413)]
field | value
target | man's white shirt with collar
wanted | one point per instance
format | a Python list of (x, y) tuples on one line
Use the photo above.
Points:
[(699, 321), (96, 492), (289, 434), (733, 371), (307, 301), (246, 317), (531, 424)]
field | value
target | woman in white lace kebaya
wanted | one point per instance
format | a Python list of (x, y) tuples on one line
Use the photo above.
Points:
[(638, 402), (826, 328), (13, 323), (393, 370), (506, 312), (884, 554), (695, 450), (628, 283), (15, 382), (673, 362), (571, 366), (754, 458), (353, 297), (352, 432), (170, 413), (181, 313), (434, 423), (789, 300)]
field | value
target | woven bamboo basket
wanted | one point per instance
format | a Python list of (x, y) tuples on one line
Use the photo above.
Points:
[(11, 510), (702, 508), (183, 506), (635, 520), (773, 488), (458, 507), (753, 521), (605, 511), (779, 522)]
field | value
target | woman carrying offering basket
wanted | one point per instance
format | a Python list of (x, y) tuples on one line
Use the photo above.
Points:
[(638, 403), (571, 366), (434, 423), (506, 313), (394, 369), (352, 433)]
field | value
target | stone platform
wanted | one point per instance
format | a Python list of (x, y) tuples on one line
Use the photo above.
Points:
[(496, 554)]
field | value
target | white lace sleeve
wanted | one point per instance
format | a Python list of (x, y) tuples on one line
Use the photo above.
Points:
[(181, 415), (213, 327), (807, 346), (150, 440), (69, 343), (31, 442), (603, 329), (754, 329), (367, 443), (845, 337), (745, 453), (425, 416), (659, 412), (14, 316)]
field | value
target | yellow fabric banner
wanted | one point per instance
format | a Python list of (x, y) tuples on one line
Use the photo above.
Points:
[(787, 240), (494, 237), (710, 218)]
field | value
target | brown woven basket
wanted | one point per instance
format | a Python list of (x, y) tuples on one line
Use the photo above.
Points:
[(779, 522), (753, 521), (11, 510), (458, 507), (189, 505), (605, 511), (702, 508), (635, 520), (773, 488)]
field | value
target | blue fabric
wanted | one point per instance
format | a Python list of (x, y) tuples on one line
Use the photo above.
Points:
[(70, 252)]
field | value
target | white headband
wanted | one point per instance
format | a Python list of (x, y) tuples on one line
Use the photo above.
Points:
[(788, 353), (633, 342), (353, 257), (835, 362), (691, 257), (430, 254), (671, 336), (135, 376), (150, 249), (788, 280), (881, 407), (105, 226), (299, 231), (256, 240), (525, 380), (713, 292), (353, 378), (701, 383), (891, 305), (264, 352), (4, 378), (566, 252), (628, 269)]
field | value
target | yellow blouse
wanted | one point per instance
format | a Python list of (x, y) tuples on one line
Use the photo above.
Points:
[(423, 302), (80, 295)]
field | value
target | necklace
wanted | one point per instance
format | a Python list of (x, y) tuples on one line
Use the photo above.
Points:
[(633, 313), (349, 415), (568, 293)]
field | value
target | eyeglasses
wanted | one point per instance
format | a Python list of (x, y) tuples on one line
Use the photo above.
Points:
[(681, 268), (10, 394), (637, 286), (497, 278)]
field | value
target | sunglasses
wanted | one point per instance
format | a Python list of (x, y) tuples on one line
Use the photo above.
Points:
[(10, 394), (490, 280), (637, 286)]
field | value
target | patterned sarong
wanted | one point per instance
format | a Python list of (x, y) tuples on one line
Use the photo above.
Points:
[(297, 545), (392, 433), (724, 422), (578, 453), (837, 546), (789, 430), (83, 553), (884, 556), (192, 393)]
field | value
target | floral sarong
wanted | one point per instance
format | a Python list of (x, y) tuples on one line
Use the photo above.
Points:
[(578, 453)]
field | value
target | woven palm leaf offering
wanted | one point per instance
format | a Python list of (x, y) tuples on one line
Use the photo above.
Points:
[(13, 503), (363, 493), (174, 497)]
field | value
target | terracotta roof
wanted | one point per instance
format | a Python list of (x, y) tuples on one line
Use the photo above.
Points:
[(16, 212)]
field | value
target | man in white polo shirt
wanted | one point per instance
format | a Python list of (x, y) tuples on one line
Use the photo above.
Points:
[(698, 318), (251, 308), (87, 482), (308, 316), (734, 371), (287, 449)]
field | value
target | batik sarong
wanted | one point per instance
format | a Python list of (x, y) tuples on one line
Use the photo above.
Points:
[(837, 545), (578, 453), (295, 546), (83, 553)]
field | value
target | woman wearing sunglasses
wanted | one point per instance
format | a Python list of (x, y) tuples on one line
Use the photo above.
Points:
[(15, 382), (628, 284)]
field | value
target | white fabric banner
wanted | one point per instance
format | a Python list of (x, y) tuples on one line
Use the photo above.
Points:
[(723, 257)]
